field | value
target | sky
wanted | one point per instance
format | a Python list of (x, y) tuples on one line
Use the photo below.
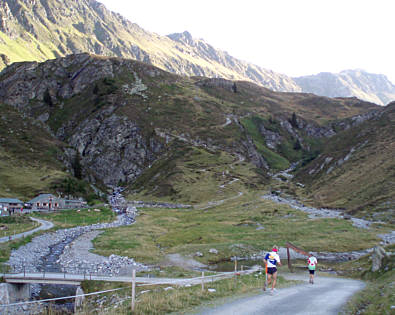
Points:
[(294, 37)]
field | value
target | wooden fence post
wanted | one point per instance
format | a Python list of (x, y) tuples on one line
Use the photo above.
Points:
[(202, 281), (235, 264), (289, 260), (133, 289)]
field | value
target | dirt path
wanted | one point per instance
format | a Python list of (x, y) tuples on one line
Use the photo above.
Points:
[(326, 296), (182, 261)]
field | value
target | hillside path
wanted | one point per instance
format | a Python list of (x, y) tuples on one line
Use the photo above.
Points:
[(45, 225), (326, 296)]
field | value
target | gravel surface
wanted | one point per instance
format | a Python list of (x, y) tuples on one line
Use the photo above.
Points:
[(77, 259), (326, 296), (29, 256)]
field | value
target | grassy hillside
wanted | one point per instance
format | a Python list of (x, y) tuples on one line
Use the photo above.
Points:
[(30, 160), (193, 135), (252, 97), (356, 168)]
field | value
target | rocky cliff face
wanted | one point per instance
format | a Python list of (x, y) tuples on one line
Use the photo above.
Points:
[(375, 88), (112, 148)]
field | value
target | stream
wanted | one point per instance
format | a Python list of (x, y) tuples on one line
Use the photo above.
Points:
[(44, 254)]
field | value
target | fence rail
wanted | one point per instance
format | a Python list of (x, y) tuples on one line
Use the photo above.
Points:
[(135, 281)]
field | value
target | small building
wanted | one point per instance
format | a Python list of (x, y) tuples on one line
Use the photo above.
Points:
[(74, 203), (50, 202), (46, 202), (10, 205)]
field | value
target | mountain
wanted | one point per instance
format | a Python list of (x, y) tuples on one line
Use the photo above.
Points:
[(355, 170), (110, 121), (375, 88), (32, 30)]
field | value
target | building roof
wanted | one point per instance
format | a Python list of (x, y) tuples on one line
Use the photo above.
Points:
[(10, 200), (42, 196)]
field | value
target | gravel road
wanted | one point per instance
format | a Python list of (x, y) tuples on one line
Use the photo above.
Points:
[(45, 225), (326, 297)]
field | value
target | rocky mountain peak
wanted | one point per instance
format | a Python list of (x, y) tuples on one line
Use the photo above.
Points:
[(371, 87), (47, 29), (58, 30), (5, 17), (184, 38)]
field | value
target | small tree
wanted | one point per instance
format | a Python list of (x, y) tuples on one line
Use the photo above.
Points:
[(294, 121), (77, 167), (47, 98), (234, 87), (96, 89), (297, 145)]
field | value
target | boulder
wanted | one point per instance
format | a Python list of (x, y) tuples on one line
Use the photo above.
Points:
[(377, 257), (4, 293), (79, 300)]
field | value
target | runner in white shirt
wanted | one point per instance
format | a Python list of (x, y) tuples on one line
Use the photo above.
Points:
[(271, 260), (312, 263)]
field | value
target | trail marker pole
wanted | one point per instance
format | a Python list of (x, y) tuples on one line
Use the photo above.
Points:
[(202, 281), (265, 283), (133, 288)]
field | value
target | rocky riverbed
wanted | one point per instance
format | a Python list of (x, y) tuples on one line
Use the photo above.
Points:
[(77, 259), (327, 256), (32, 257), (330, 213)]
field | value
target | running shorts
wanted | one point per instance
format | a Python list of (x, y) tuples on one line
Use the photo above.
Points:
[(271, 270)]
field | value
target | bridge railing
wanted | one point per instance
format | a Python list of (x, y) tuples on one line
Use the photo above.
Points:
[(86, 272)]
